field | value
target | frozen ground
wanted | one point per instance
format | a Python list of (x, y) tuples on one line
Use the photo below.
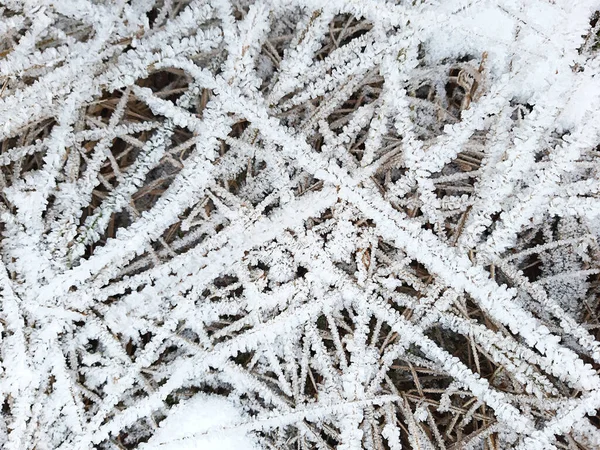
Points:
[(289, 224)]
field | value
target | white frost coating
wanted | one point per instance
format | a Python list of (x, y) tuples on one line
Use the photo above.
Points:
[(204, 422), (297, 224)]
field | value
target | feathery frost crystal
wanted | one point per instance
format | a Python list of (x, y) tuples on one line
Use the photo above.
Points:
[(285, 224)]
